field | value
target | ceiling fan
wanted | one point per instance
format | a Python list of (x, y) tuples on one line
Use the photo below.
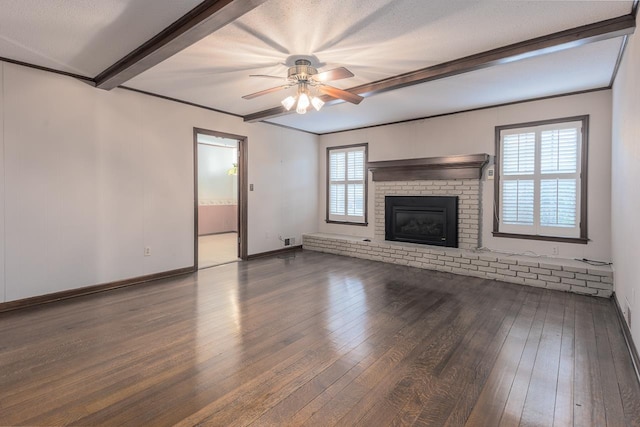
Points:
[(308, 81)]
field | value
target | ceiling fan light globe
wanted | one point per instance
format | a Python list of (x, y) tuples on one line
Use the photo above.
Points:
[(288, 102), (317, 103), (303, 103)]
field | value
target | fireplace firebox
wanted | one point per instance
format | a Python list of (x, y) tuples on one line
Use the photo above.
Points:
[(428, 220)]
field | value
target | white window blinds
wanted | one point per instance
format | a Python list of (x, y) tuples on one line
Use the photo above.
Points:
[(346, 198), (540, 180)]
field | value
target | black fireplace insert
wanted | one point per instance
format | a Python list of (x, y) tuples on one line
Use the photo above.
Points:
[(429, 220)]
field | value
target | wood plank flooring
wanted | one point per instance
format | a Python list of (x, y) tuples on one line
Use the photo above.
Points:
[(318, 340)]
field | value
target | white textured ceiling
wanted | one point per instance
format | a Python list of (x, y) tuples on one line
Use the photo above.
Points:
[(375, 39), (82, 36), (547, 75)]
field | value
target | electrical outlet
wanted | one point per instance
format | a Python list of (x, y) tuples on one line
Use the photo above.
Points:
[(628, 316), (555, 250), (147, 251), (287, 242)]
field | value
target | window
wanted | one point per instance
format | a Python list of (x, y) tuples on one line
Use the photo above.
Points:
[(347, 184), (540, 186)]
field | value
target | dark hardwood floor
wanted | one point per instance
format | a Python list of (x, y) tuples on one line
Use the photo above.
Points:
[(318, 340)]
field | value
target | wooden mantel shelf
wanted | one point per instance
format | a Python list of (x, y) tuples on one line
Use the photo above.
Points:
[(450, 167)]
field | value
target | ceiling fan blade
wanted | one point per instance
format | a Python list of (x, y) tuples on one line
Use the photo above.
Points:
[(335, 74), (264, 92), (341, 94), (266, 76)]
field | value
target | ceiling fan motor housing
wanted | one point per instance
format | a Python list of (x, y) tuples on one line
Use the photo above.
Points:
[(304, 77), (301, 71)]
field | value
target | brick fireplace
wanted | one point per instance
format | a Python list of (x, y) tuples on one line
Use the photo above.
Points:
[(456, 176), (435, 176)]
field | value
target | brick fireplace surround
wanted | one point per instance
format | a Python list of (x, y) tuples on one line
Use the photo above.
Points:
[(467, 259)]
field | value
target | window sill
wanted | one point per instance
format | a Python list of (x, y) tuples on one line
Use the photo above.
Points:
[(363, 224), (579, 240)]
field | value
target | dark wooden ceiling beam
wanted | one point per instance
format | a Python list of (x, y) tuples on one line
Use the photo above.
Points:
[(207, 17), (599, 31)]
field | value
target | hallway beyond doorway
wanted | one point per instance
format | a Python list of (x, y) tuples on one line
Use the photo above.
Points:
[(215, 249)]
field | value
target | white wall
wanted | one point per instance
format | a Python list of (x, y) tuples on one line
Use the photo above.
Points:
[(214, 183), (92, 177), (285, 178), (473, 132), (625, 203)]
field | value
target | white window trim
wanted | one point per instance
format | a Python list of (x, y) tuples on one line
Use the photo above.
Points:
[(347, 219), (536, 230)]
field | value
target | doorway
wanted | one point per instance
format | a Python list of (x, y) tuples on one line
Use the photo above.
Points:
[(220, 198)]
